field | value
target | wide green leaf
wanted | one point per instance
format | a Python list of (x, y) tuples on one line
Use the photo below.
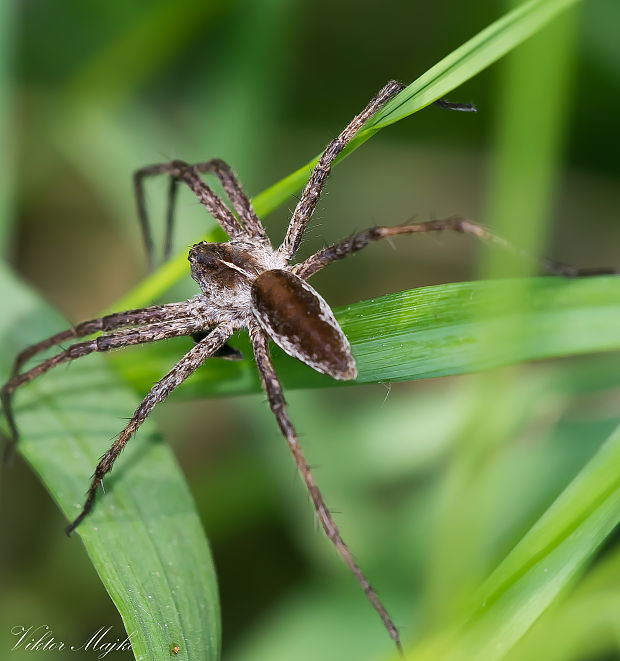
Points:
[(432, 331), (144, 536)]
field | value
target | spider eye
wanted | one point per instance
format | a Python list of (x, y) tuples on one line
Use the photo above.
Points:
[(207, 260)]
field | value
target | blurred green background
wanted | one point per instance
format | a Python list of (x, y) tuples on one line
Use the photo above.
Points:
[(434, 481)]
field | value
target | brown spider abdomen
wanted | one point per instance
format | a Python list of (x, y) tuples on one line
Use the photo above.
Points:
[(299, 321)]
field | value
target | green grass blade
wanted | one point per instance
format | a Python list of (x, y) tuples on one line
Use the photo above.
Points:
[(426, 332), (546, 561), (565, 632), (144, 536), (461, 65), (470, 59)]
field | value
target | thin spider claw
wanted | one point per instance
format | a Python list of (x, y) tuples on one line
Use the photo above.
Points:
[(212, 202), (559, 268), (147, 237), (311, 193), (172, 196), (191, 176), (88, 505), (460, 107)]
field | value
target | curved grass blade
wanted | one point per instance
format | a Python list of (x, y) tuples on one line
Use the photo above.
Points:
[(432, 331), (461, 65), (544, 564), (144, 536), (473, 56)]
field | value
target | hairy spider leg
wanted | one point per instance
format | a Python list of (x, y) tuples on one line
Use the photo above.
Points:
[(173, 188), (232, 187), (190, 362), (206, 195), (311, 193), (240, 201), (150, 333), (360, 240), (277, 403), (230, 182), (152, 314)]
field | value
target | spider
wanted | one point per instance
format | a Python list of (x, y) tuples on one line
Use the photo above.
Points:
[(245, 283)]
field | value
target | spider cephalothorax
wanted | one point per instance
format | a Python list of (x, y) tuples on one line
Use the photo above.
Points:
[(225, 271), (245, 283)]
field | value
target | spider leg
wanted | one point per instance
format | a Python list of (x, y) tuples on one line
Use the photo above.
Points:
[(145, 226), (272, 385), (240, 201), (361, 239), (181, 171), (226, 352), (152, 314), (191, 176), (192, 360), (173, 187), (234, 191), (311, 193), (150, 333)]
